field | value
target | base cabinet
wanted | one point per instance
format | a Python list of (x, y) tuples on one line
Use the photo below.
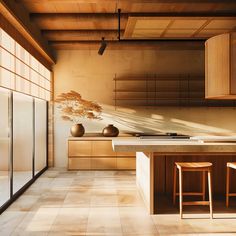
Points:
[(98, 155)]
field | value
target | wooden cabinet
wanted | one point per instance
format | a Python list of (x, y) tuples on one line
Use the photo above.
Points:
[(83, 148), (220, 68), (98, 155)]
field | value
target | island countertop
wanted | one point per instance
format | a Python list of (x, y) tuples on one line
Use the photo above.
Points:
[(133, 144)]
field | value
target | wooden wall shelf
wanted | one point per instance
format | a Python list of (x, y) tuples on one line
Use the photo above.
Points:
[(163, 90)]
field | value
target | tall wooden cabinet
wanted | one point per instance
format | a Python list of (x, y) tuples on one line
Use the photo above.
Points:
[(220, 67), (97, 154)]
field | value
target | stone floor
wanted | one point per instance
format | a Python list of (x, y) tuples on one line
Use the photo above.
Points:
[(95, 204)]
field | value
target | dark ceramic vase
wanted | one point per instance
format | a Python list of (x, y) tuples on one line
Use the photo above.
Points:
[(77, 130), (110, 131)]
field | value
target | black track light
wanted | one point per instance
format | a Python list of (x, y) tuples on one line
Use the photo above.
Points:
[(102, 47)]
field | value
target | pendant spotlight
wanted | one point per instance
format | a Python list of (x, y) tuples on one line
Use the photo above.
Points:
[(102, 47)]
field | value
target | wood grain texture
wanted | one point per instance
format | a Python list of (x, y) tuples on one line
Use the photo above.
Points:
[(18, 17), (102, 148), (97, 155), (79, 163), (103, 163), (126, 163), (233, 63), (218, 67), (81, 148), (148, 27), (19, 38)]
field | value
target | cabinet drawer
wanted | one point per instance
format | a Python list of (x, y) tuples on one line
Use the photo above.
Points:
[(103, 163), (79, 148), (126, 154), (102, 148), (128, 163), (79, 163)]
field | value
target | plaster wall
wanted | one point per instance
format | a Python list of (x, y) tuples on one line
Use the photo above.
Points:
[(92, 76)]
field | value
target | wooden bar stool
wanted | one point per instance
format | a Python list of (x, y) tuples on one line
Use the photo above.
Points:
[(228, 194), (193, 166)]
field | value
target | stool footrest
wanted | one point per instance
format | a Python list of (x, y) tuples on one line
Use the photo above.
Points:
[(232, 194), (191, 194), (204, 203)]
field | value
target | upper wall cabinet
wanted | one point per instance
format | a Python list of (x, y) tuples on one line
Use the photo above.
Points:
[(220, 59)]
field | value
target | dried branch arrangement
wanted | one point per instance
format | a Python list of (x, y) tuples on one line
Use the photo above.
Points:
[(73, 107)]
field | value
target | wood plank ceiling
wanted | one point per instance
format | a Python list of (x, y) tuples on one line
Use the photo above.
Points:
[(82, 23)]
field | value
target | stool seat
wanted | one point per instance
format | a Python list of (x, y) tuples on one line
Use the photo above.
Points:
[(231, 165), (204, 167), (193, 165)]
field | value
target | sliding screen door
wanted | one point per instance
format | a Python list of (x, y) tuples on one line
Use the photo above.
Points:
[(22, 140), (40, 135), (4, 147)]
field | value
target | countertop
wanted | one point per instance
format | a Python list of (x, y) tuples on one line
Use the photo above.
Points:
[(97, 136), (209, 145), (128, 143)]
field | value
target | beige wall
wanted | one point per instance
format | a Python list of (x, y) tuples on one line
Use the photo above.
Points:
[(92, 76)]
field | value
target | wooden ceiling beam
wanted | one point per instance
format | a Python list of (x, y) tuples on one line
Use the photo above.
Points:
[(80, 35), (79, 21), (130, 1), (130, 45), (17, 16)]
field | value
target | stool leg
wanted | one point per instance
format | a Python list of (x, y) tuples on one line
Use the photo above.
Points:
[(210, 192), (227, 186), (203, 186), (174, 182), (180, 193)]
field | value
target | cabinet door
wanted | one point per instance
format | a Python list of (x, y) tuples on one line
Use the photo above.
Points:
[(79, 163), (79, 148), (217, 83), (126, 163), (233, 63), (103, 163), (126, 154), (102, 148)]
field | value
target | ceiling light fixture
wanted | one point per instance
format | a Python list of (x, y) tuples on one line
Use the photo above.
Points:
[(102, 47)]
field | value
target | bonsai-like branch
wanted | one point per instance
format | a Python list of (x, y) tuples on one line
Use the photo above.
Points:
[(73, 107)]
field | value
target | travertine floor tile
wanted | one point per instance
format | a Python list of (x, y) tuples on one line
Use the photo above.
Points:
[(37, 222), (71, 220), (77, 199), (129, 198), (24, 203), (104, 197), (98, 203), (104, 221), (9, 220), (172, 224), (136, 221)]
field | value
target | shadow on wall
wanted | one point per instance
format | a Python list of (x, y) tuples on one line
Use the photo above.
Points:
[(192, 121), (184, 120)]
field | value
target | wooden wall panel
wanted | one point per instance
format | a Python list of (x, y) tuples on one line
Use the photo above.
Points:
[(159, 176)]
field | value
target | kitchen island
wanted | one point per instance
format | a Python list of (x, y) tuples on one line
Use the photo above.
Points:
[(155, 162)]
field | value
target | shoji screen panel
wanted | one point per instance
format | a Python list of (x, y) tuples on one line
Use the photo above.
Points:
[(20, 71)]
